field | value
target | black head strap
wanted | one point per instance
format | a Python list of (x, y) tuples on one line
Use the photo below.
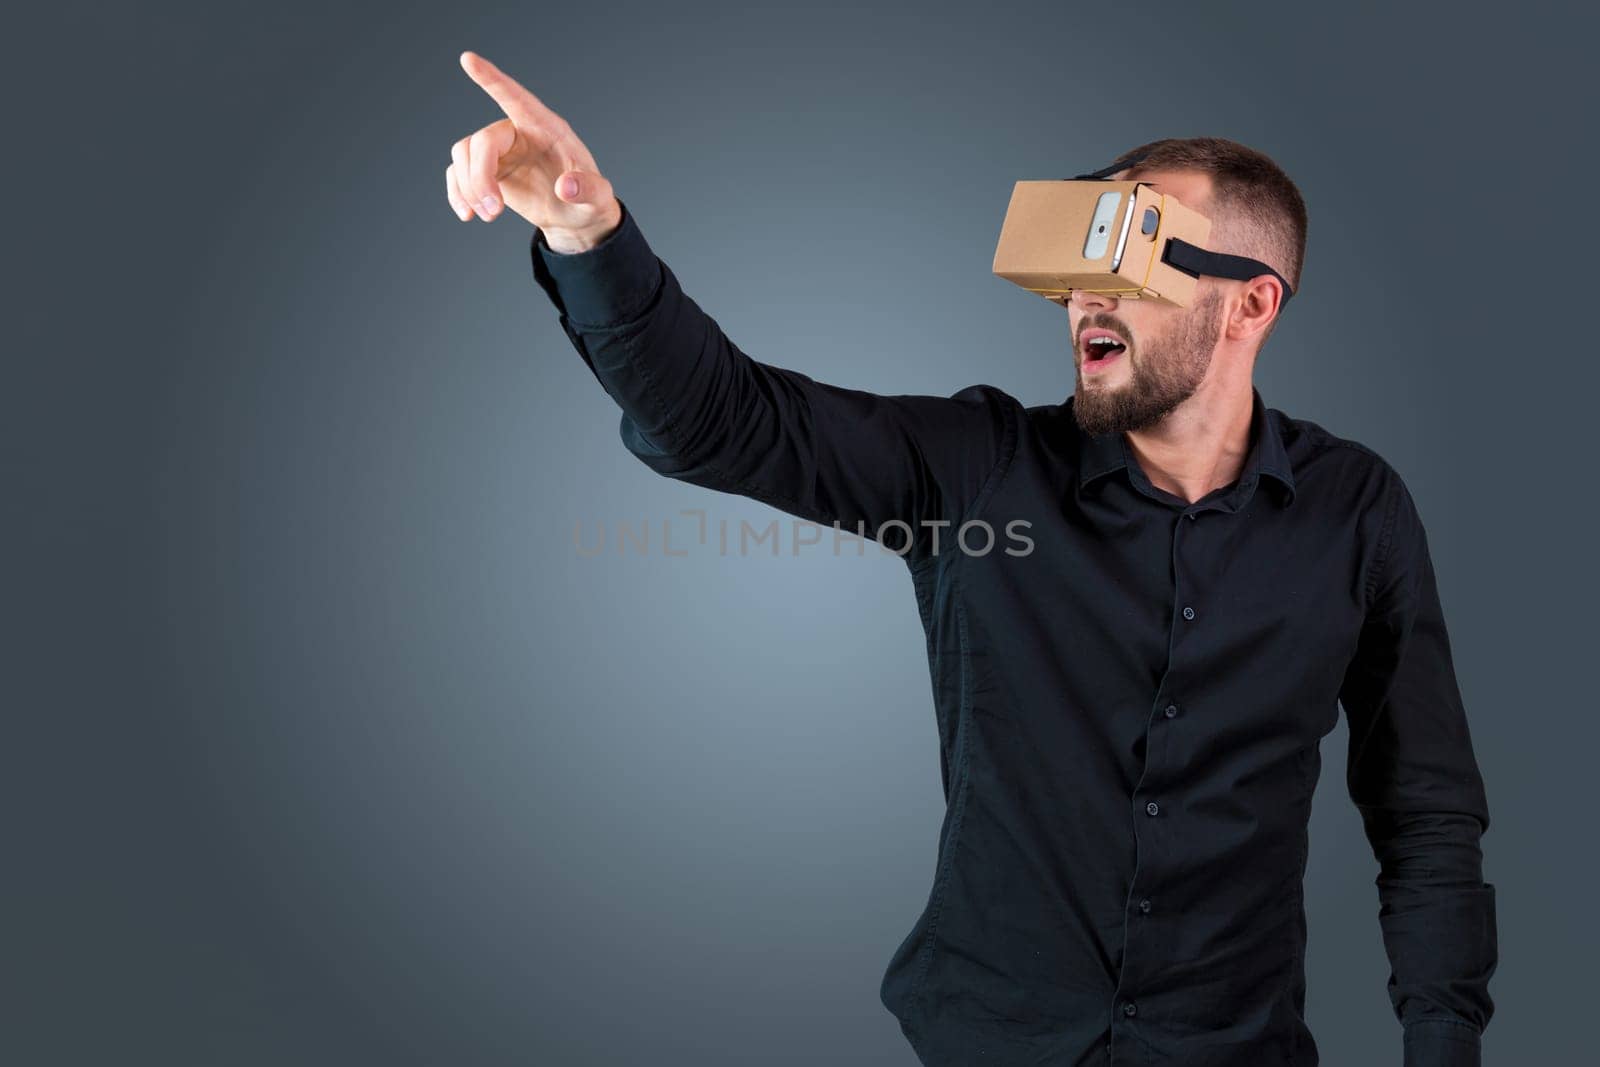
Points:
[(1192, 259), (1105, 173), (1195, 261)]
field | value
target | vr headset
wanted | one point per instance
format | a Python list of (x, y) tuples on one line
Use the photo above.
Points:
[(1105, 236)]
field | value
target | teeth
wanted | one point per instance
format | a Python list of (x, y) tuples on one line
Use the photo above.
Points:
[(1104, 341)]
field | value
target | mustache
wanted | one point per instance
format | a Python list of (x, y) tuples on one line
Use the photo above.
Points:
[(1104, 322)]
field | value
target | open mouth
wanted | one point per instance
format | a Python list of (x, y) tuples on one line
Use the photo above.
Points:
[(1101, 346)]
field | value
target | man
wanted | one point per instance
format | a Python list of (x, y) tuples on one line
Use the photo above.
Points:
[(1130, 714)]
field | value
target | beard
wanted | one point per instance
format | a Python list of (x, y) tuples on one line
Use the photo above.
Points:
[(1163, 372)]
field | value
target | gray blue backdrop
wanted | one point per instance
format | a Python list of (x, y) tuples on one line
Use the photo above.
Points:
[(324, 745)]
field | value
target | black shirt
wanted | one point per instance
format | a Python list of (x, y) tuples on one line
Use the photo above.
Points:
[(1130, 706)]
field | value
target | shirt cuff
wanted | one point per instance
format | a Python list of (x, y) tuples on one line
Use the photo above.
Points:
[(1442, 1043), (606, 285)]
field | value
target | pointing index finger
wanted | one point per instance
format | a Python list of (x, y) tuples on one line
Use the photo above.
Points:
[(514, 100)]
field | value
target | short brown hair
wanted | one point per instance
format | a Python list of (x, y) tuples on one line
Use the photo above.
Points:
[(1256, 210)]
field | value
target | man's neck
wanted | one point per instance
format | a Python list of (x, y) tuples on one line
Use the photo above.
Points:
[(1201, 445)]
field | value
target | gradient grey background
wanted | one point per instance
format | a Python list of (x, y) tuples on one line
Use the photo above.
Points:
[(324, 745)]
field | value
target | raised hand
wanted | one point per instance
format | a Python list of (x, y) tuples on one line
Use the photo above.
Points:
[(531, 162)]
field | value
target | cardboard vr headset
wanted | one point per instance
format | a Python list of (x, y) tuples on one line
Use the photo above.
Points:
[(1116, 237)]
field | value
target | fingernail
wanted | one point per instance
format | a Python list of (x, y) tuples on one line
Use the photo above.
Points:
[(490, 203)]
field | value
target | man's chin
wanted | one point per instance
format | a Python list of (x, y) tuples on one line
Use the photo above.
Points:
[(1105, 407), (1106, 384)]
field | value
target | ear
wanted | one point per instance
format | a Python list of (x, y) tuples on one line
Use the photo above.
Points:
[(1254, 306)]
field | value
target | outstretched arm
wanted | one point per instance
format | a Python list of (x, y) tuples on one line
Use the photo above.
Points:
[(1413, 777), (697, 408), (694, 406)]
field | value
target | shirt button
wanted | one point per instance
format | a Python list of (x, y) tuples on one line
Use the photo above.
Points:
[(1144, 905), (1129, 1008), (1152, 807), (1188, 613), (1172, 710)]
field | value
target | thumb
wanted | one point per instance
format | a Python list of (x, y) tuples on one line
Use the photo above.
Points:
[(578, 187)]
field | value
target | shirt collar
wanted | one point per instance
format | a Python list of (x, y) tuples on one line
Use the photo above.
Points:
[(1103, 453)]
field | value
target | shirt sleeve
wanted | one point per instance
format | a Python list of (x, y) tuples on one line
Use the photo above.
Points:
[(1413, 777), (697, 408)]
